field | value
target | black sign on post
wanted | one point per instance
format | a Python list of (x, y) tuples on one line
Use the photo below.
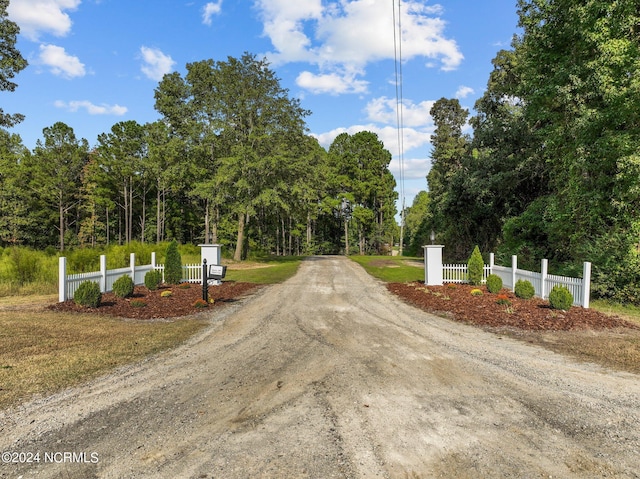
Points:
[(215, 272)]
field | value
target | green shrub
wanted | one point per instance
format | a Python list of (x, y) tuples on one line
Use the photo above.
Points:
[(88, 294), (494, 283), (524, 289), (172, 264), (475, 267), (153, 279), (560, 298), (123, 287)]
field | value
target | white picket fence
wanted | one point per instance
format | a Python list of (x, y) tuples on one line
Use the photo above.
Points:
[(68, 284), (542, 281)]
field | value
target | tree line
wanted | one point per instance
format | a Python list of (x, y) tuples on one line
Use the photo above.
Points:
[(551, 166), (229, 161)]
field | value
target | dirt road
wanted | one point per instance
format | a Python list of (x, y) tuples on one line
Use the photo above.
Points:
[(329, 375)]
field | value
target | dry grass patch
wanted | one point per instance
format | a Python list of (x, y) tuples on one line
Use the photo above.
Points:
[(615, 349), (42, 352)]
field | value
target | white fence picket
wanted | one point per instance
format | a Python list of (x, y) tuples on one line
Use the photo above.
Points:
[(69, 283), (579, 287)]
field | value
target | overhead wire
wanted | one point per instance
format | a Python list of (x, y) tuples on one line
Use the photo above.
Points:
[(397, 52)]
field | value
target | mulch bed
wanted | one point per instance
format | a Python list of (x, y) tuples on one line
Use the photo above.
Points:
[(180, 303), (457, 302)]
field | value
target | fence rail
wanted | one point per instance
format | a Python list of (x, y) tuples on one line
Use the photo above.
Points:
[(68, 283), (542, 281)]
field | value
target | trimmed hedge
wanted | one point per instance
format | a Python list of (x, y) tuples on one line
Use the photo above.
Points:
[(88, 294), (524, 289), (475, 267), (560, 298), (153, 279), (494, 283), (123, 287)]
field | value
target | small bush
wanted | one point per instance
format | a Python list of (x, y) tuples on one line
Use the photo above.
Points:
[(138, 303), (494, 283), (503, 299), (88, 294), (173, 264), (200, 303), (166, 294), (475, 267), (560, 298), (123, 287), (153, 279), (476, 292), (524, 289)]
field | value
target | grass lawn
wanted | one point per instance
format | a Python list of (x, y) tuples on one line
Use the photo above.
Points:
[(269, 270), (392, 269), (42, 352)]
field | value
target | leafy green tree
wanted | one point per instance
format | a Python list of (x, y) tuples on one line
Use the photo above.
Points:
[(57, 165), (119, 168), (418, 224), (450, 148), (11, 61), (15, 218), (241, 117), (578, 70)]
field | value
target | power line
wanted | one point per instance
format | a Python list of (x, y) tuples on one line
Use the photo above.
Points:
[(397, 52)]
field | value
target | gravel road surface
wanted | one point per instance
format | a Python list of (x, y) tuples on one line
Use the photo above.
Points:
[(329, 375)]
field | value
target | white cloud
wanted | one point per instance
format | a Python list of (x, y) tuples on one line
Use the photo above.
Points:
[(332, 83), (464, 91), (60, 62), (347, 35), (42, 16), (209, 10), (384, 110), (412, 138), (74, 106), (156, 64)]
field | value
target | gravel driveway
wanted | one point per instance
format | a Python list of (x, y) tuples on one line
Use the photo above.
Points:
[(329, 375)]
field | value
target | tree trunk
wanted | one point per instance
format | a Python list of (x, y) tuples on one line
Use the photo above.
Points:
[(346, 237), (61, 224), (158, 212), (240, 243)]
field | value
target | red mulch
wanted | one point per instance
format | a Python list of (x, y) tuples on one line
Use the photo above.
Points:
[(180, 303), (534, 314)]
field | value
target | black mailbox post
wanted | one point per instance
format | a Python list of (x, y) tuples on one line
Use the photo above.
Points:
[(214, 271)]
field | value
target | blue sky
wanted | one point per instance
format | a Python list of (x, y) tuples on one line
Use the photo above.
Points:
[(93, 63)]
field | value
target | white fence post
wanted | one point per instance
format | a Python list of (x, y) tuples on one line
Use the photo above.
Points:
[(132, 266), (514, 269), (62, 279), (433, 265), (103, 273), (544, 269), (492, 262), (153, 259), (586, 284)]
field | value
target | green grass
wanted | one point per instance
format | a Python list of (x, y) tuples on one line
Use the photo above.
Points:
[(268, 270), (392, 269), (628, 312)]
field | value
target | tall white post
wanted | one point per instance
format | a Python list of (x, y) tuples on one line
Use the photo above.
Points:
[(514, 270), (103, 273), (492, 262), (433, 265), (153, 259), (586, 284), (62, 279), (544, 268), (132, 266)]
